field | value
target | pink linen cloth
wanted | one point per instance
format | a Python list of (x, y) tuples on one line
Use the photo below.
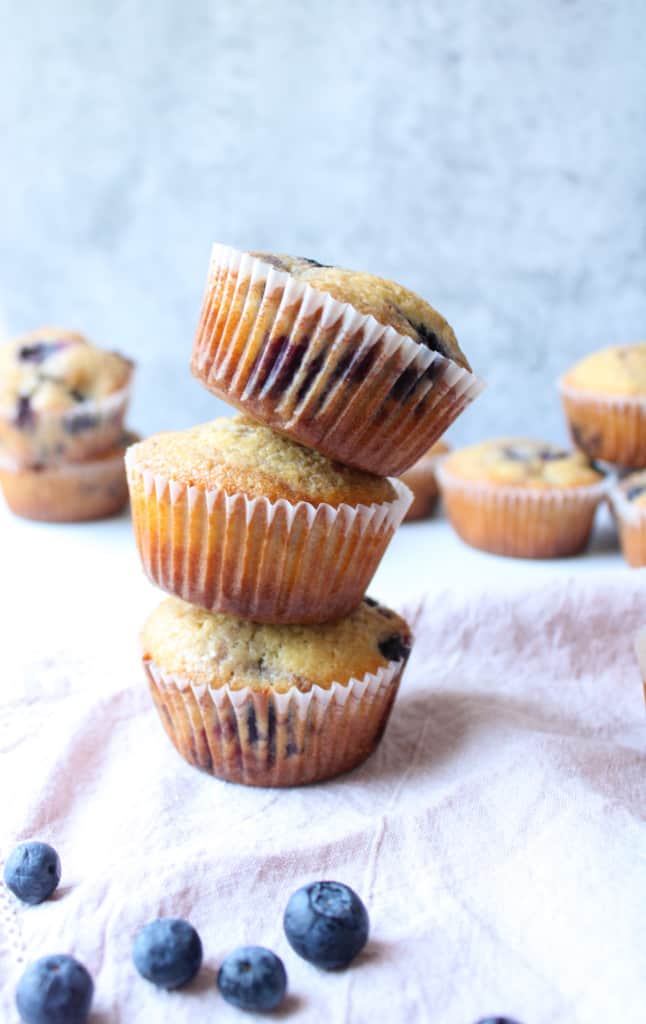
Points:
[(497, 836)]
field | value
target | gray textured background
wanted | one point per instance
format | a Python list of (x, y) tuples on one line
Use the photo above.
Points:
[(490, 155)]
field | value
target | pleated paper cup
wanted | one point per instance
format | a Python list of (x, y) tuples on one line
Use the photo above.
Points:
[(422, 480), (608, 428), (45, 438), (69, 493), (631, 522), (269, 561), (519, 522), (319, 371), (266, 738)]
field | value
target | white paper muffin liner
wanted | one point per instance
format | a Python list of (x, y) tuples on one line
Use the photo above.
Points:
[(321, 372), (70, 492), (269, 561), (611, 428), (59, 437), (265, 738), (517, 521), (631, 522)]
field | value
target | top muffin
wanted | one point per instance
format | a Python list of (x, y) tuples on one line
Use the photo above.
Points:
[(520, 462), (53, 370), (355, 366), (218, 650), (241, 456), (388, 302), (619, 370)]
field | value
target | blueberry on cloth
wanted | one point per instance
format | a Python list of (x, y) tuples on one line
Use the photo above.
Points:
[(252, 978), (32, 871), (55, 990), (326, 923), (168, 952), (496, 1020)]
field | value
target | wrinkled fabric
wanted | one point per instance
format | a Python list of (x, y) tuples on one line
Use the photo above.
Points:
[(497, 836)]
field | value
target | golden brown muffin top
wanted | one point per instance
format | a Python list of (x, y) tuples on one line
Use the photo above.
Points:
[(618, 370), (241, 456), (218, 650), (56, 369), (388, 302), (633, 488), (520, 462)]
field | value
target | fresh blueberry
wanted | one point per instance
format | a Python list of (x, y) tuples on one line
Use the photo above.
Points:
[(32, 871), (168, 952), (253, 978), (55, 990), (326, 923), (395, 648), (496, 1020)]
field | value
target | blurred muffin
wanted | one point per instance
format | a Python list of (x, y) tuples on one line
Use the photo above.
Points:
[(269, 705), (523, 498), (422, 480), (604, 397), (236, 518), (61, 398), (628, 500), (70, 492), (353, 365)]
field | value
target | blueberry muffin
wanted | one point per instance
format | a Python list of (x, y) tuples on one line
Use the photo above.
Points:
[(422, 480), (270, 705), (70, 492), (523, 498), (628, 500), (61, 398), (237, 518), (604, 397), (355, 366)]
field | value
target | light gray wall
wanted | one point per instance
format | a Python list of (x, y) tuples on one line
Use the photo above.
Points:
[(491, 155)]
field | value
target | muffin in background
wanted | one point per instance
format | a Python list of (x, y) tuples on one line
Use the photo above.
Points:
[(628, 501), (422, 480), (352, 365), (61, 399), (236, 518), (522, 498), (269, 705), (604, 398), (70, 492)]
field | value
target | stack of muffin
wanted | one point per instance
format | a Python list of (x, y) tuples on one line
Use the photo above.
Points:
[(62, 437), (268, 665), (604, 397)]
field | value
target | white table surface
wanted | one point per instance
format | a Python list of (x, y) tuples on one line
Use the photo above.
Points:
[(70, 583)]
